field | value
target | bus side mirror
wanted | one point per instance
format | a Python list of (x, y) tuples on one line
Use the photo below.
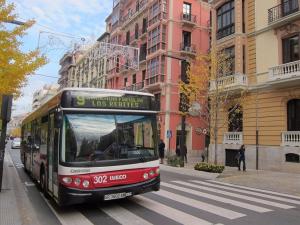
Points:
[(58, 119)]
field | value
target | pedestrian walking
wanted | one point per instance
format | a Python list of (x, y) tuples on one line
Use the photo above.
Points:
[(242, 158), (184, 153), (161, 149)]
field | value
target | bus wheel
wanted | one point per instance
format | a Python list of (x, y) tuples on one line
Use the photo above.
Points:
[(43, 183)]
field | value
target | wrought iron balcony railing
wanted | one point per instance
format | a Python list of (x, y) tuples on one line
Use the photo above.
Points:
[(282, 10), (191, 48), (188, 18)]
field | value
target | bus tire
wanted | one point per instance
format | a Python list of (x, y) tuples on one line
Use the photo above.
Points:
[(43, 182)]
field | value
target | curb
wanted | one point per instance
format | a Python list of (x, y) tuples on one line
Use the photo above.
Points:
[(189, 172)]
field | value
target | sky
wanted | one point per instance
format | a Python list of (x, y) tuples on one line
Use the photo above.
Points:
[(59, 25)]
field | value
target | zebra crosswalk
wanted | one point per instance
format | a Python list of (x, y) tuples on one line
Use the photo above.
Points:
[(191, 202)]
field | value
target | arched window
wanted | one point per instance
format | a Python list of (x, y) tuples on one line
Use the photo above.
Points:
[(235, 119), (292, 157), (293, 115)]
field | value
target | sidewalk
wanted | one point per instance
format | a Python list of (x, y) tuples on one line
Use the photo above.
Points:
[(15, 207), (269, 180)]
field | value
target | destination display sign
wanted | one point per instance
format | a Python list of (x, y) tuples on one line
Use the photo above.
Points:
[(107, 101)]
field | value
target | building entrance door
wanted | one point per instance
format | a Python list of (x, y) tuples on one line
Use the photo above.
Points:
[(230, 158)]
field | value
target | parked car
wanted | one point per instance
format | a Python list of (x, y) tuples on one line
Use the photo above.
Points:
[(16, 143)]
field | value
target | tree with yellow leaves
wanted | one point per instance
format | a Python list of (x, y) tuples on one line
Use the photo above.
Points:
[(15, 65), (208, 83)]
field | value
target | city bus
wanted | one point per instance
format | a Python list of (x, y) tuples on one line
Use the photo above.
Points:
[(87, 144)]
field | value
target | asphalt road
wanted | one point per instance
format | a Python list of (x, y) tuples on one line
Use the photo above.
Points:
[(182, 200)]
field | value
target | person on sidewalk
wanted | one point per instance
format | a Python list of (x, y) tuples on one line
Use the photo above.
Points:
[(184, 152), (242, 158), (161, 149)]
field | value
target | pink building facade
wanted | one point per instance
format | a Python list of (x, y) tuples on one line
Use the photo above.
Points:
[(161, 28)]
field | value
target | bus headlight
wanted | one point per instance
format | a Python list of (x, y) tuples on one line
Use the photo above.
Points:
[(67, 180), (77, 181), (145, 176), (85, 183)]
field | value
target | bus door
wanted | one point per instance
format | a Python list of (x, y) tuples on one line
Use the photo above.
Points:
[(52, 156)]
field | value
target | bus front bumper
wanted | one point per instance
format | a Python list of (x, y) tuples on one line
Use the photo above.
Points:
[(71, 196)]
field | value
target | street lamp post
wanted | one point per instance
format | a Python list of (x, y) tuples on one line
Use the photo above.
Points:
[(5, 117)]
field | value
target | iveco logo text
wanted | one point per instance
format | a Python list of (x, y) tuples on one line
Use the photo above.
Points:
[(118, 177)]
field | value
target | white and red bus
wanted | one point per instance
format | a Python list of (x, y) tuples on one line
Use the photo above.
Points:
[(89, 144)]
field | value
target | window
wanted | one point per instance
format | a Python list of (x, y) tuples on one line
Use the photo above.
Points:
[(153, 67), (143, 77), (125, 81), (291, 49), (289, 7), (235, 119), (225, 20), (187, 11), (293, 113), (229, 61), (136, 31), (133, 78), (186, 39), (127, 37), (154, 40), (97, 138), (143, 52), (292, 157), (144, 29)]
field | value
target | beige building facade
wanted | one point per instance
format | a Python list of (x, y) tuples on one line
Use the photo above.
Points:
[(265, 36)]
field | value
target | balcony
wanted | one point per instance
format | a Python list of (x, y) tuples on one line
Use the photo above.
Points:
[(135, 87), (290, 138), (188, 49), (285, 73), (154, 82), (131, 15), (283, 13), (235, 138), (236, 82), (188, 19)]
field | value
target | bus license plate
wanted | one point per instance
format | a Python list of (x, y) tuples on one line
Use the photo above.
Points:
[(117, 196)]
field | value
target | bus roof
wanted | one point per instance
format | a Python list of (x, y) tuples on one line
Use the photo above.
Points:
[(55, 100)]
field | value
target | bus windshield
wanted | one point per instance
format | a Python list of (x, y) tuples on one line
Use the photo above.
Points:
[(98, 137)]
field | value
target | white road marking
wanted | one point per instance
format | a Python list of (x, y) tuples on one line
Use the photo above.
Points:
[(255, 189), (219, 199), (173, 214), (249, 192), (244, 197), (124, 216), (69, 217), (226, 213)]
